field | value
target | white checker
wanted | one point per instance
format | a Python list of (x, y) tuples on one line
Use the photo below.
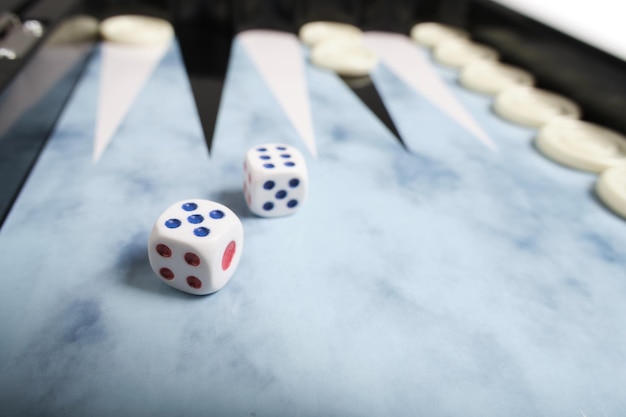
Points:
[(491, 77), (136, 30), (533, 107), (313, 33), (458, 53), (611, 188), (581, 145), (430, 33), (344, 56)]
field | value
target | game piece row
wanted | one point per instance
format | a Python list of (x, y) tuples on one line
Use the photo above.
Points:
[(561, 136), (338, 47), (196, 244), (516, 98)]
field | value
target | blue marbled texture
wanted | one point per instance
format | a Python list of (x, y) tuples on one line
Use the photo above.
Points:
[(448, 280)]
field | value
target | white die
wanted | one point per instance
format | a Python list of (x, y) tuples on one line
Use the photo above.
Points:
[(195, 246), (276, 180)]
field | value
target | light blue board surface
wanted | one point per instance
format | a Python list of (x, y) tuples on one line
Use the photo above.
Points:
[(448, 281)]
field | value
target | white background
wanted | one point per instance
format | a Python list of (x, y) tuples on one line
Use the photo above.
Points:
[(600, 23)]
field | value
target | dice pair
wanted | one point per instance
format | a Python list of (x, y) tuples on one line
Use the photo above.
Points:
[(195, 244)]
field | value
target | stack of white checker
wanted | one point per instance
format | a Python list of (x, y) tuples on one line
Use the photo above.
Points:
[(562, 137)]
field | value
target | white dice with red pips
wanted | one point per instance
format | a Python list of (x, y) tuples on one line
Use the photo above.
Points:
[(195, 246), (276, 180)]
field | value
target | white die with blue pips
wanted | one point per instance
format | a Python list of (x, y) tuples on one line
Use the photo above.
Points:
[(276, 180), (195, 246)]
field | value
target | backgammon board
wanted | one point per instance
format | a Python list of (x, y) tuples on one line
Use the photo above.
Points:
[(457, 272)]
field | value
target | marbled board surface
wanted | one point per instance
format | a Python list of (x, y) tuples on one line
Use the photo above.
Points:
[(451, 280)]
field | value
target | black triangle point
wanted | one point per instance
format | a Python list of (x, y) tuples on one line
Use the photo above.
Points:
[(365, 89)]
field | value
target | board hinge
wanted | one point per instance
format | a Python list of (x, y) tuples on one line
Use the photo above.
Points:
[(17, 38)]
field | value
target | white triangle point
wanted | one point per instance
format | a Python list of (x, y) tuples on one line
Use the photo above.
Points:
[(125, 71), (405, 60), (278, 58)]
